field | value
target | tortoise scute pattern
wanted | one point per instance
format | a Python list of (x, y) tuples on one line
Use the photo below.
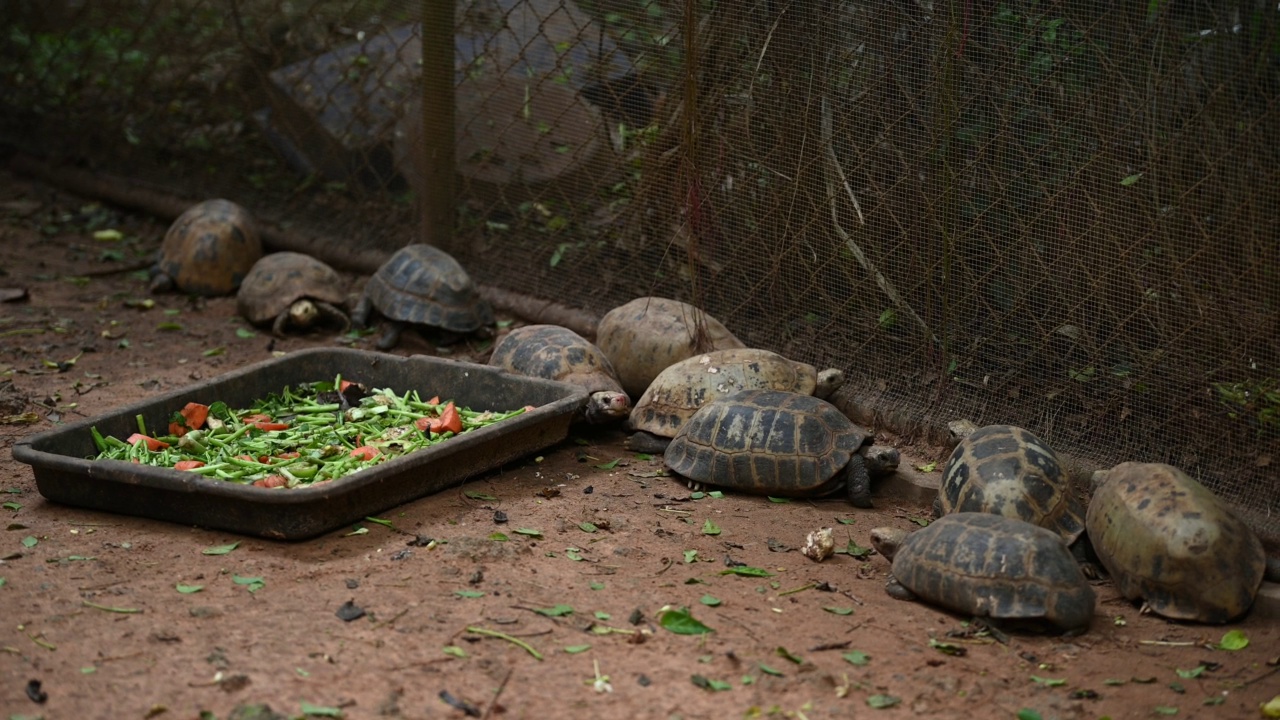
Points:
[(1168, 540), (278, 280), (645, 336), (1006, 470), (422, 284), (993, 566), (767, 442), (679, 390), (555, 353), (209, 249)]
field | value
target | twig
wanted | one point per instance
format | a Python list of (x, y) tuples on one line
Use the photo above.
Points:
[(108, 608), (1168, 643), (494, 702), (833, 168), (802, 588), (503, 636)]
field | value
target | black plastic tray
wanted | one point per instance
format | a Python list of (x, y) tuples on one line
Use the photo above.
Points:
[(64, 474)]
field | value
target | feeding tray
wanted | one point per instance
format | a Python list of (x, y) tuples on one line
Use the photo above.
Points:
[(65, 474)]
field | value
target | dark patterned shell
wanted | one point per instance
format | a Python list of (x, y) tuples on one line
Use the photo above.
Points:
[(210, 248), (423, 284), (1167, 539), (677, 393), (555, 353), (1005, 470), (645, 336), (994, 566), (278, 280), (767, 442)]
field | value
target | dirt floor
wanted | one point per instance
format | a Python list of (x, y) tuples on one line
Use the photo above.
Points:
[(95, 625)]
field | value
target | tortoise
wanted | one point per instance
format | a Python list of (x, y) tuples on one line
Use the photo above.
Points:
[(288, 289), (644, 336), (1006, 470), (558, 353), (208, 250), (989, 566), (422, 284), (677, 392), (1167, 539), (773, 442)]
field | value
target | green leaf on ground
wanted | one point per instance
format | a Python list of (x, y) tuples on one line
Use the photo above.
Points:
[(220, 549), (681, 622)]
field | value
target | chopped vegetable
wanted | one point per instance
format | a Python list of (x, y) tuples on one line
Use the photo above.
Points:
[(152, 444), (195, 415), (305, 435)]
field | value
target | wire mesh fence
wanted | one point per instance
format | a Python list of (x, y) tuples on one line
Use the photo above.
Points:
[(1060, 215)]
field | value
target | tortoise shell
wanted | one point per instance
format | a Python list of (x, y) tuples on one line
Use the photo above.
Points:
[(280, 279), (678, 391), (994, 566), (645, 336), (423, 284), (1006, 470), (208, 250), (558, 353), (773, 442), (1167, 539)]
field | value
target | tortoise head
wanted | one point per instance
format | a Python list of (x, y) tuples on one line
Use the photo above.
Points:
[(828, 382), (887, 541)]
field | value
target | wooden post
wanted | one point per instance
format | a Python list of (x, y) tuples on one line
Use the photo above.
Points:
[(436, 152)]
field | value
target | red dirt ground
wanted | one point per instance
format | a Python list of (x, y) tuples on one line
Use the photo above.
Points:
[(776, 649)]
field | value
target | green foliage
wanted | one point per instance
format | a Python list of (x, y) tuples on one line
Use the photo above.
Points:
[(1256, 402)]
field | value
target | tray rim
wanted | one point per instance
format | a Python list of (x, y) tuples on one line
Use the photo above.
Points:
[(26, 449)]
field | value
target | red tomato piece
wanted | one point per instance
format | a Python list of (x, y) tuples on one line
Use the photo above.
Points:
[(188, 464), (152, 444)]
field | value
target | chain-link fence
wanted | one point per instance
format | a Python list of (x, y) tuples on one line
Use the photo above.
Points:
[(1060, 215)]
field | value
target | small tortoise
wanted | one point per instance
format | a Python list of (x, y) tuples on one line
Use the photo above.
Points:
[(1005, 470), (208, 250), (1167, 539), (989, 566), (557, 353), (288, 289), (677, 393), (645, 336), (774, 442), (424, 285)]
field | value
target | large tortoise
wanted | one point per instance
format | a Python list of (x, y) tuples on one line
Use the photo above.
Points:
[(289, 289), (1168, 540), (422, 284), (774, 442), (677, 392), (989, 566), (558, 353), (1006, 470), (645, 336), (208, 250)]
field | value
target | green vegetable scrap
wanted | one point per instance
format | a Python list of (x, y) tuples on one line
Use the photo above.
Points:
[(306, 435)]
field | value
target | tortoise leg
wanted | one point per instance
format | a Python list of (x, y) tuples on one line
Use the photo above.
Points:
[(937, 507), (646, 442), (332, 312), (360, 315), (858, 482), (282, 322), (897, 590), (390, 334)]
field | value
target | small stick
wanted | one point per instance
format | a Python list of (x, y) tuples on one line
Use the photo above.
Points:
[(503, 636), (502, 686)]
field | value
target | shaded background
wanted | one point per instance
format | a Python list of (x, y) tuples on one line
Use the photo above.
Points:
[(1058, 215)]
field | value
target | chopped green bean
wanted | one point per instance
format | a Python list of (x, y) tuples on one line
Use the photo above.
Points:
[(305, 439)]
